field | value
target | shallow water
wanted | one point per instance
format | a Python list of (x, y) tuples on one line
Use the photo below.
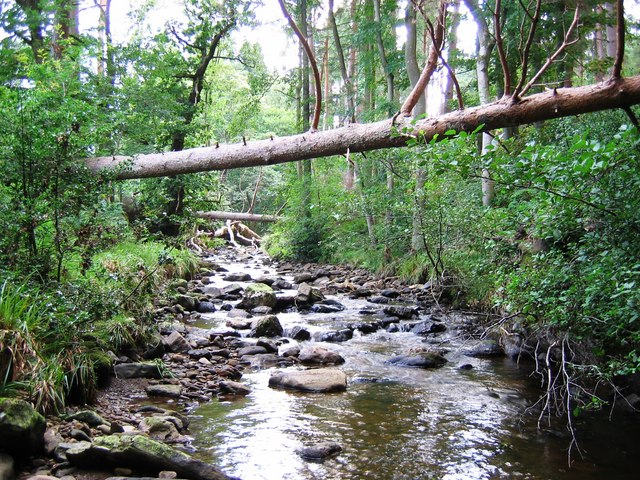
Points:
[(402, 423)]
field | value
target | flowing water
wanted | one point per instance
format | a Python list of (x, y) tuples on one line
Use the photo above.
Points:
[(401, 423)]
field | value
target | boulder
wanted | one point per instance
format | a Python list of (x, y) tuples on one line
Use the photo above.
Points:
[(485, 349), (80, 435), (137, 370), (284, 302), (251, 350), (360, 293), (320, 451), (291, 352), (315, 355), (336, 336), (164, 390), (155, 347), (232, 289), (282, 284), (228, 387), (426, 327), (324, 308), (257, 295), (419, 360), (52, 439), (199, 353), (238, 313), (267, 326), (222, 352), (400, 311), (322, 380), (378, 300), (205, 307), (237, 277), (212, 291), (163, 428), (269, 345), (240, 323), (187, 302), (390, 293), (228, 371), (262, 310), (265, 279), (21, 428), (308, 295), (141, 454), (304, 277), (176, 343), (299, 333), (89, 417), (365, 327)]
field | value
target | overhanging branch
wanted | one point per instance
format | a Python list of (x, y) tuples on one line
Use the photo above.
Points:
[(563, 102)]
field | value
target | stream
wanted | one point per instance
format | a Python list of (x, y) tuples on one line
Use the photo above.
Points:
[(400, 423)]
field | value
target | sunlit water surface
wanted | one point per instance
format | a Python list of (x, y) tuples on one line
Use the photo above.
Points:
[(402, 423)]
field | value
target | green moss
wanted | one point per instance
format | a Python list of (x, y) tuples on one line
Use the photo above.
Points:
[(258, 288), (21, 414)]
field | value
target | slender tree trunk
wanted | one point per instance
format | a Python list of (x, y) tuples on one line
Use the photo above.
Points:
[(106, 63), (66, 26), (35, 20), (484, 46), (599, 46), (386, 68), (351, 109), (325, 69), (417, 236), (303, 24), (452, 49), (411, 58), (371, 223), (419, 110), (353, 58)]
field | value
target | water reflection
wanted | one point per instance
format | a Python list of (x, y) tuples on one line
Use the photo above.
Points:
[(398, 423)]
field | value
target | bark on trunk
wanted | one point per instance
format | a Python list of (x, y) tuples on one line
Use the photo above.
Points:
[(411, 58), (563, 102), (343, 66), (386, 68), (417, 234)]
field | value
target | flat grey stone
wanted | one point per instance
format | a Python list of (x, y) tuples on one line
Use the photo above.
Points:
[(164, 390), (323, 380)]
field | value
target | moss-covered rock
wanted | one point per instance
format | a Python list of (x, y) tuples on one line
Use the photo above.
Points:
[(258, 295), (21, 428), (143, 455)]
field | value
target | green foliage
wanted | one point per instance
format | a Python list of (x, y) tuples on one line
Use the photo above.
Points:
[(52, 339), (132, 271)]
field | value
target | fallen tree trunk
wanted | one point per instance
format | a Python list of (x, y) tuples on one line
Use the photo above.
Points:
[(556, 103), (242, 217)]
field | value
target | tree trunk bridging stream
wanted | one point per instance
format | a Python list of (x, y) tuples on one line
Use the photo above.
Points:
[(556, 103)]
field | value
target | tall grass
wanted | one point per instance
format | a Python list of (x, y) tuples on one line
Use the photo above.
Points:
[(133, 270), (53, 342)]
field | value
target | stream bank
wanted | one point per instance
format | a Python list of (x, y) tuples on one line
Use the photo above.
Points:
[(423, 396)]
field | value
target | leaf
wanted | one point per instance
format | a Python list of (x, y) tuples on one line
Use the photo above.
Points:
[(478, 128)]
